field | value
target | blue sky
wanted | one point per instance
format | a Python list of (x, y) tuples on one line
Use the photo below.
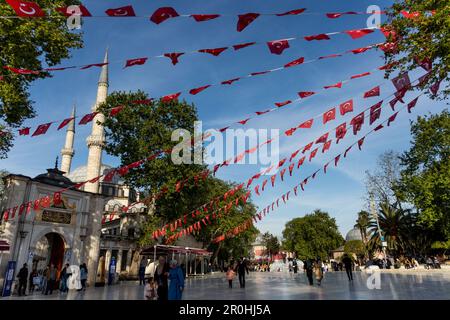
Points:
[(340, 192)]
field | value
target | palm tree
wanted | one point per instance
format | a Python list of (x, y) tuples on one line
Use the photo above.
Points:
[(362, 223), (393, 223)]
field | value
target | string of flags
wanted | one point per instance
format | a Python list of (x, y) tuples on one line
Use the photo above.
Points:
[(286, 196), (87, 118), (276, 47), (402, 84), (356, 122)]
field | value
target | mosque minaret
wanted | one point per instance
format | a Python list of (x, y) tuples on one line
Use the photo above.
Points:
[(68, 152)]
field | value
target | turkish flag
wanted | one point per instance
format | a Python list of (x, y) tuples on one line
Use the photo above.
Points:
[(41, 129), (114, 111), (426, 64), (230, 81), (282, 172), (307, 147), (360, 75), (390, 34), (337, 85), (387, 66), (87, 118), (281, 163), (259, 73), (375, 92), (346, 107), (65, 122), (356, 34), (412, 104), (360, 50), (215, 52), (314, 174), (389, 47), (392, 118), (222, 130), (272, 179), (94, 65), (291, 167), (300, 161), (393, 102), (313, 154), (410, 15), (375, 112), (295, 62), (325, 167), (245, 19), (57, 198), (339, 14), (346, 151), (24, 131), (291, 12), (199, 89), (21, 71), (357, 122), (243, 122), (402, 82), (278, 46), (83, 10), (290, 131), (330, 56), (126, 11), (293, 155), (341, 131), (326, 146), (257, 189), (173, 56), (323, 138), (262, 112), (305, 94), (321, 36), (307, 124), (282, 104), (162, 14), (360, 142), (135, 62), (204, 17), (243, 45), (336, 160), (379, 127), (26, 9), (435, 88), (329, 115), (171, 97)]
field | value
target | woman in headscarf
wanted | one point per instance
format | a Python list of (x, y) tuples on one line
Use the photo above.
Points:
[(176, 278), (160, 276), (318, 271)]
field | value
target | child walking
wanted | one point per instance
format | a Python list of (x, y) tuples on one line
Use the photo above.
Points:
[(150, 290), (230, 276)]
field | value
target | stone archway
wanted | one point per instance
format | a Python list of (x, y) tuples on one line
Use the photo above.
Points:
[(49, 249)]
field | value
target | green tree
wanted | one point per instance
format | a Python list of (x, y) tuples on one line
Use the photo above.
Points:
[(362, 223), (28, 43), (425, 177), (311, 236), (271, 243), (422, 36), (355, 246)]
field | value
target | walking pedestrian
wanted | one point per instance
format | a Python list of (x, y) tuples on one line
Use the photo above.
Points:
[(230, 276), (295, 265), (241, 270), (83, 276), (23, 277), (308, 268), (348, 264), (161, 275), (142, 272), (51, 279), (31, 280), (150, 291), (176, 278), (318, 271), (63, 279)]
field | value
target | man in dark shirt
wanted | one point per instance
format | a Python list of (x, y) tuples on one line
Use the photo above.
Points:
[(347, 261), (241, 269), (23, 277)]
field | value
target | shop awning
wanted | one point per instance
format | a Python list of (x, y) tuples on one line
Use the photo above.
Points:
[(4, 246)]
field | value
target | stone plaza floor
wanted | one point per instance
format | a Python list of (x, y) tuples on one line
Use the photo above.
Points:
[(395, 284)]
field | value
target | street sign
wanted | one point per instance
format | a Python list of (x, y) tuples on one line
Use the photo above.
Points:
[(112, 270), (9, 278)]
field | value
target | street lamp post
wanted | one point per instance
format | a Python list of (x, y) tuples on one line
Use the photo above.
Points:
[(383, 242)]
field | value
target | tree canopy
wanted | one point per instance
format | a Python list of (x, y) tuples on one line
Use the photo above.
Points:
[(28, 44), (271, 243), (312, 236), (421, 33)]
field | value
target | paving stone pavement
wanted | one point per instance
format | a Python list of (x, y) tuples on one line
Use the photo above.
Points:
[(414, 284)]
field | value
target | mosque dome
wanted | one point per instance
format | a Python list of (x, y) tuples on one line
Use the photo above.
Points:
[(80, 174), (353, 234)]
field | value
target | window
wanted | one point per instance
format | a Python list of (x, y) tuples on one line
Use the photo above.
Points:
[(123, 263)]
